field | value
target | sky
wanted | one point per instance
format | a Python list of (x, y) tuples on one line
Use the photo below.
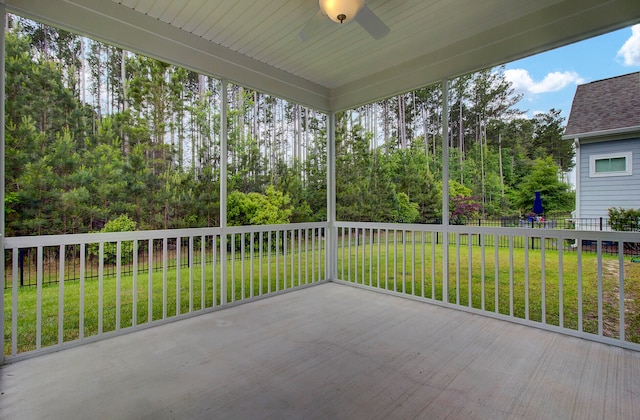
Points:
[(549, 80)]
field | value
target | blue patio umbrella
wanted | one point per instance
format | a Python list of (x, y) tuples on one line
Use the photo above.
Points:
[(537, 204)]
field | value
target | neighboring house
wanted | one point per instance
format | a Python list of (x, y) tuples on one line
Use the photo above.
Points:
[(604, 125)]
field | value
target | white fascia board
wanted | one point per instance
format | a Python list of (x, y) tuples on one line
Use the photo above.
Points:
[(604, 135)]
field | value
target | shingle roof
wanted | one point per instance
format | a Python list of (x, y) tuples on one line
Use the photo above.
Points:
[(606, 104)]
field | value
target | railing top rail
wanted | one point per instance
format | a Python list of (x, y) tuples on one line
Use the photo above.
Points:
[(391, 226), (86, 238), (502, 231)]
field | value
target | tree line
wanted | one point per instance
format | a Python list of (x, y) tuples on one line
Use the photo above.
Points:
[(94, 132)]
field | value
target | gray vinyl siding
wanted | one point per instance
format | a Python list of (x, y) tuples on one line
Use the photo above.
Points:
[(597, 194)]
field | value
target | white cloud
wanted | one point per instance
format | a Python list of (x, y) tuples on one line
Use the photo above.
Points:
[(552, 82), (630, 50)]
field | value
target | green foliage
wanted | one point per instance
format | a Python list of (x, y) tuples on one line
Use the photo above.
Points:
[(406, 212), (624, 219), (121, 223), (545, 178), (271, 208), (141, 137)]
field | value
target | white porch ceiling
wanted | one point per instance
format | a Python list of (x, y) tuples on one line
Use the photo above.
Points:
[(256, 44)]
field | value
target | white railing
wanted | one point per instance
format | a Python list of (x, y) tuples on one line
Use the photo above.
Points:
[(65, 290), (538, 277)]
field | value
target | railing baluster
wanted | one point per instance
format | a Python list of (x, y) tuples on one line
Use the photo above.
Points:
[(470, 271), (293, 259), (413, 262), (269, 261), (560, 284), (378, 260), (242, 255), (300, 257), (322, 245), (356, 255), (251, 267), (191, 264), (277, 260), (457, 236), (165, 251), (433, 265), (371, 257), (511, 285), (599, 252), (386, 259), (39, 298), (203, 264), (342, 235), (150, 283), (82, 278), (424, 262), (233, 268), (284, 258), (395, 260), (14, 300), (214, 269), (483, 271), (61, 296), (100, 286), (404, 261), (496, 273), (526, 277), (349, 255), (543, 279), (260, 282), (621, 298), (579, 258), (118, 282), (364, 245), (313, 255), (134, 286), (178, 269)]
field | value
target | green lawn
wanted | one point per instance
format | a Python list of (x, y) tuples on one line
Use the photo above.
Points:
[(192, 296), (410, 272)]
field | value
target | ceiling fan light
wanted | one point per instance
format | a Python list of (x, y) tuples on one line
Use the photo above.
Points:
[(341, 11)]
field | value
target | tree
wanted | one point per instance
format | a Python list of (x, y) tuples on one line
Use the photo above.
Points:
[(545, 178), (547, 140), (254, 208)]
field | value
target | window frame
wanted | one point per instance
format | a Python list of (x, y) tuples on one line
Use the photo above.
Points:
[(628, 156)]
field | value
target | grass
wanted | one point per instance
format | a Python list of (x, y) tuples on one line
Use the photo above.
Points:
[(155, 300), (409, 270), (403, 268)]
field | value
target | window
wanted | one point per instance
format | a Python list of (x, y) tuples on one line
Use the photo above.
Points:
[(618, 164)]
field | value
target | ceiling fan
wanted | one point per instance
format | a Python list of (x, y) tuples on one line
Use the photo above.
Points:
[(344, 11)]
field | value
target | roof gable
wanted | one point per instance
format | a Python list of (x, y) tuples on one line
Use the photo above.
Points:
[(605, 105)]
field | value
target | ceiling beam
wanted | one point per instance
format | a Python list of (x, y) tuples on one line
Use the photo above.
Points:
[(114, 24), (552, 27)]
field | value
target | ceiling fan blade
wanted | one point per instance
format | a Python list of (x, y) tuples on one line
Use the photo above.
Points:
[(371, 23), (312, 27)]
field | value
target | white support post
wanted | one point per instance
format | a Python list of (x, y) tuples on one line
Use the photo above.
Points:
[(331, 253), (2, 169), (223, 195), (445, 191)]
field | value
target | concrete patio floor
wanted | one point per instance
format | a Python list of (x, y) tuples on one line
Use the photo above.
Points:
[(329, 351)]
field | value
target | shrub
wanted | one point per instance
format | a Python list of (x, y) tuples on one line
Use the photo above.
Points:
[(624, 219), (121, 223)]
